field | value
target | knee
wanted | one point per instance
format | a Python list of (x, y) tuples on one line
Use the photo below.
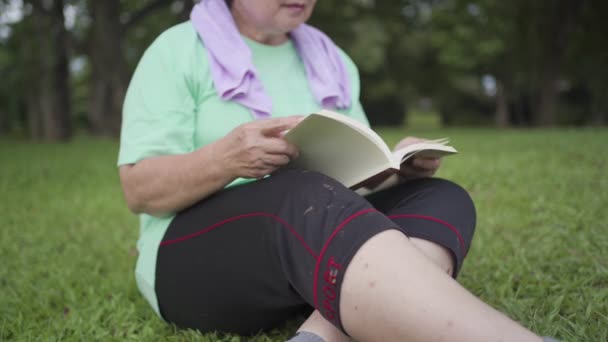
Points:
[(311, 186), (456, 197), (438, 193), (461, 203), (302, 179), (451, 211), (320, 204), (452, 194)]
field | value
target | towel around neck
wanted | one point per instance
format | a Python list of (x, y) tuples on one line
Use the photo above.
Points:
[(235, 77)]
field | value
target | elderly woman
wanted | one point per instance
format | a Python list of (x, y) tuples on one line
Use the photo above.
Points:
[(231, 241)]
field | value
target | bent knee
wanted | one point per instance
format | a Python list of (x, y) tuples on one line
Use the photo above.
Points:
[(453, 197), (316, 187), (451, 191), (299, 177)]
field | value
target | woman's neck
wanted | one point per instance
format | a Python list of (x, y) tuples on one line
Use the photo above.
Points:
[(254, 33)]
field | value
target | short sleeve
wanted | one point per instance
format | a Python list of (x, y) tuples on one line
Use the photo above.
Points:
[(159, 108), (356, 110)]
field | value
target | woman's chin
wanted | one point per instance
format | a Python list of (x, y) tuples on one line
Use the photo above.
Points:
[(290, 21), (290, 24)]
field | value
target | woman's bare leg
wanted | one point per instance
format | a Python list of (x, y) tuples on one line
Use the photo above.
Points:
[(439, 255), (318, 325), (392, 292), (321, 327)]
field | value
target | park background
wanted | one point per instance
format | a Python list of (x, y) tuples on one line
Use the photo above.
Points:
[(519, 86)]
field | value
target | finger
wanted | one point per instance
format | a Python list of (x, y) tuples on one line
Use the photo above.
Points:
[(426, 163), (268, 169), (275, 160), (261, 169), (276, 126), (409, 171), (261, 173), (281, 146)]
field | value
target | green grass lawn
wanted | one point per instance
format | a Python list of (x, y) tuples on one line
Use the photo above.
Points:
[(67, 246)]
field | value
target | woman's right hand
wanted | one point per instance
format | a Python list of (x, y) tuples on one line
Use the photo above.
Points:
[(256, 149)]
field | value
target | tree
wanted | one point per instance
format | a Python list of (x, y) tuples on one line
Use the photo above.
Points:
[(387, 47), (546, 59), (586, 57), (556, 21), (48, 99), (108, 62)]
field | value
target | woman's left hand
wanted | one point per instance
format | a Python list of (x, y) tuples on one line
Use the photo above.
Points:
[(418, 166)]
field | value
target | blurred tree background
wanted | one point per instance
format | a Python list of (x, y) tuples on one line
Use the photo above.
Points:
[(65, 64)]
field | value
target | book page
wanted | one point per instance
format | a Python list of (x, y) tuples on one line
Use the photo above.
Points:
[(431, 148), (363, 129), (339, 147)]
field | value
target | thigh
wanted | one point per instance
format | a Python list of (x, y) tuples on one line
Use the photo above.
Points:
[(252, 256), (432, 209), (218, 270)]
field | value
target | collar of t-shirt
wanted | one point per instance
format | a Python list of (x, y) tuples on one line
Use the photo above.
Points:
[(234, 75)]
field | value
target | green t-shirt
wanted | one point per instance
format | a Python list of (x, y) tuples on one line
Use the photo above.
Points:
[(172, 107)]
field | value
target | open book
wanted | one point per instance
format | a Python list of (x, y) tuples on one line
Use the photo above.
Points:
[(352, 153)]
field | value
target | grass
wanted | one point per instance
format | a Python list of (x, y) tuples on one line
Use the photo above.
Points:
[(67, 246)]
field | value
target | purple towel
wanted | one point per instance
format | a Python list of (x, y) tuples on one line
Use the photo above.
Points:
[(234, 74)]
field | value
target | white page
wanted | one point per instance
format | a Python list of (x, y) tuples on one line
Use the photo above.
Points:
[(332, 144), (426, 148)]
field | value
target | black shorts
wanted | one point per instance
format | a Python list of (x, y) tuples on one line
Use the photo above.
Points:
[(251, 257)]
